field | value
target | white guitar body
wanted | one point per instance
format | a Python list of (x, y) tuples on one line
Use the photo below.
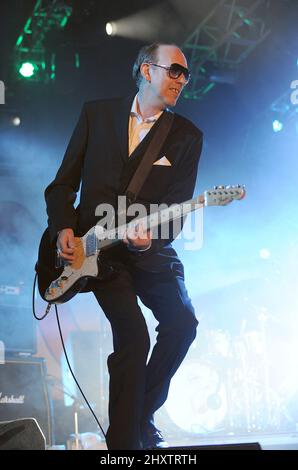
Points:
[(75, 275)]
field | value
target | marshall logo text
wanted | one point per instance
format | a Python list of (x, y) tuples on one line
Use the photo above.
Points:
[(12, 399)]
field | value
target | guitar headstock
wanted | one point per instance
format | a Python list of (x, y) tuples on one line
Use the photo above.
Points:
[(223, 195)]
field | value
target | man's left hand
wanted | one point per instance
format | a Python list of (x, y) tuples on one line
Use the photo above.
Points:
[(138, 238)]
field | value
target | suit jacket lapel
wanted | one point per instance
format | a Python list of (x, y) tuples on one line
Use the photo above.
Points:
[(122, 119), (142, 147)]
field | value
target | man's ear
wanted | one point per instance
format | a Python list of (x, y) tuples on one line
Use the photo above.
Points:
[(144, 69)]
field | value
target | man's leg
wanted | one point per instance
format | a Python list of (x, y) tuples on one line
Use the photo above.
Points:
[(127, 364), (165, 294)]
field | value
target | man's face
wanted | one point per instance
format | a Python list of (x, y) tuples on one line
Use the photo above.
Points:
[(166, 89)]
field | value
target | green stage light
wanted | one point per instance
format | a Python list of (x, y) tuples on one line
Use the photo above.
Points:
[(27, 70)]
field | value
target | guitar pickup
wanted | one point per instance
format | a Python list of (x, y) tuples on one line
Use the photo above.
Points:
[(60, 262)]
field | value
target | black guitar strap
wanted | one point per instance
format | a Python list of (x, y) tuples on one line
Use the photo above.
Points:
[(151, 153)]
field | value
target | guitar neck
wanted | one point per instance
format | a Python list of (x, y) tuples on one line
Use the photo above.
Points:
[(174, 212)]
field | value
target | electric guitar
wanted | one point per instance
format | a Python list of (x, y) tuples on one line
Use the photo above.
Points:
[(60, 280)]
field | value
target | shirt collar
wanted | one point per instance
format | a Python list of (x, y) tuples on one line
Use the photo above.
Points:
[(134, 112)]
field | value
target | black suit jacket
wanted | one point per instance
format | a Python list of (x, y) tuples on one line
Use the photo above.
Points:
[(97, 157)]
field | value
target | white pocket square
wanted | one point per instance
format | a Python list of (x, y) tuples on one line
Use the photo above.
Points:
[(163, 161)]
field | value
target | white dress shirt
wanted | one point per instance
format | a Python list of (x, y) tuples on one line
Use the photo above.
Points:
[(138, 127)]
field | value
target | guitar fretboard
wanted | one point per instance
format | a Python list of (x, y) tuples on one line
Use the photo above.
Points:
[(157, 218)]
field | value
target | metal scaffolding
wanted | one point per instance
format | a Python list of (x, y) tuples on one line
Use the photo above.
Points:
[(222, 41), (30, 47)]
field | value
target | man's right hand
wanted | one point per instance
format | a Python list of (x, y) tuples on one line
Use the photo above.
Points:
[(66, 244)]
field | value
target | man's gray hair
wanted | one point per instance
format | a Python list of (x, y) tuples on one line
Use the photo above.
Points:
[(146, 55)]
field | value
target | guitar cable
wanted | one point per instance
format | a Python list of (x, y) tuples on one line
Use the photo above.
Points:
[(64, 350)]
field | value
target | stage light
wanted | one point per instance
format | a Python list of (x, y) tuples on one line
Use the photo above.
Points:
[(277, 125), (264, 253), (16, 121), (27, 70), (111, 29)]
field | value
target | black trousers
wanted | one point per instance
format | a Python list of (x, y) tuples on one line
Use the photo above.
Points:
[(137, 388)]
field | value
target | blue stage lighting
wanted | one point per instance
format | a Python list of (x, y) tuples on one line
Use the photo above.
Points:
[(277, 125)]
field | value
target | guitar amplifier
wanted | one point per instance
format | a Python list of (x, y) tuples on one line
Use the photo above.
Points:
[(24, 393)]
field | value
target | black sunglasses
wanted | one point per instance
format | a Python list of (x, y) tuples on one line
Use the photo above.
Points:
[(175, 71)]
